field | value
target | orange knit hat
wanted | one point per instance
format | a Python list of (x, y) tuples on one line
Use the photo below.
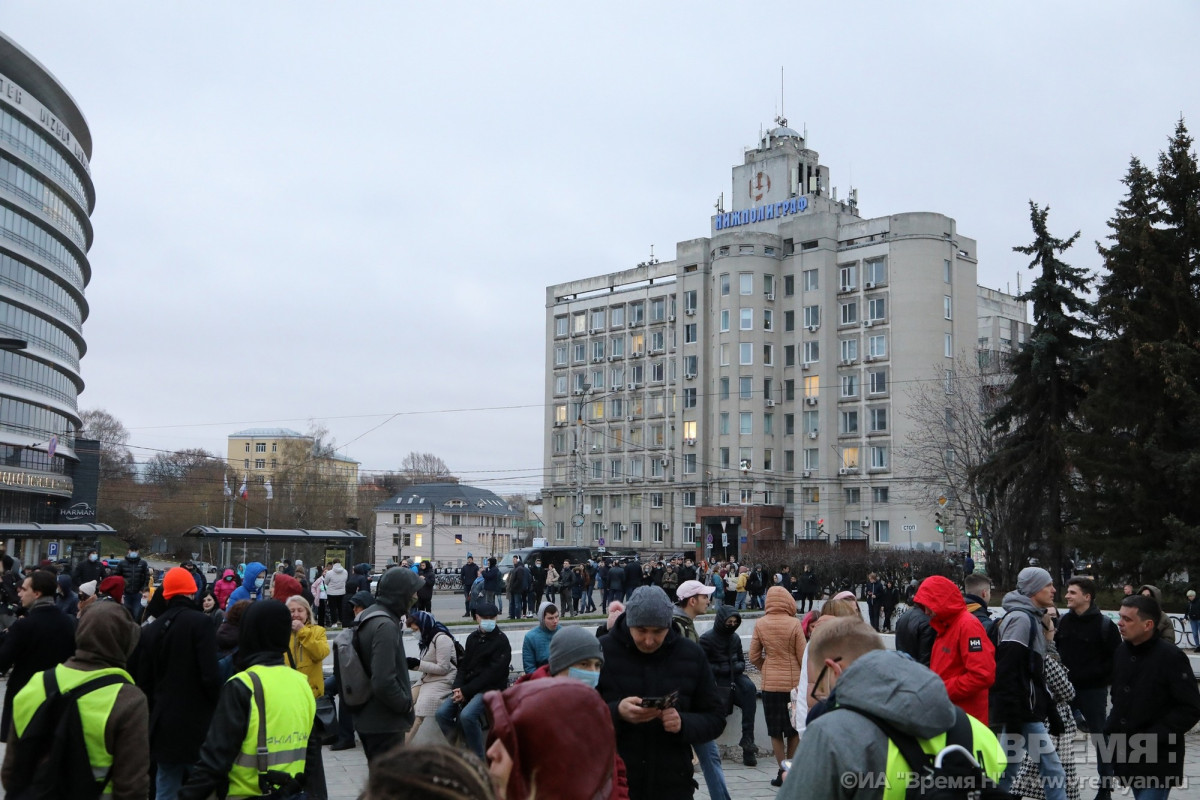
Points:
[(178, 581)]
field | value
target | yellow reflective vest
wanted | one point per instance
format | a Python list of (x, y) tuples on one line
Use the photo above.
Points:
[(94, 710), (290, 711), (984, 747)]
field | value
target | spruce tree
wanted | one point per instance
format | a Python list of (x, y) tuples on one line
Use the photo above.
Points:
[(1036, 422), (1142, 415)]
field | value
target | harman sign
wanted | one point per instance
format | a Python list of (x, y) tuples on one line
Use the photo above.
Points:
[(731, 219), (78, 512)]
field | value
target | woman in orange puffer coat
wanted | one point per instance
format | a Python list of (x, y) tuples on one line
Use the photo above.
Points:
[(777, 649)]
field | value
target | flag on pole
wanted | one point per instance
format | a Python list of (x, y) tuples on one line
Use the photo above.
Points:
[(228, 491), (242, 491), (267, 486)]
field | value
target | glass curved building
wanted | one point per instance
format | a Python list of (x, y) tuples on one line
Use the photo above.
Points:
[(46, 197)]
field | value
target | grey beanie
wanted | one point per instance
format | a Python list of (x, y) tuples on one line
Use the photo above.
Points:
[(572, 645), (648, 607), (1032, 580)]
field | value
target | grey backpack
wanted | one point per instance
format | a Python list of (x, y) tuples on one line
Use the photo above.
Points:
[(353, 673)]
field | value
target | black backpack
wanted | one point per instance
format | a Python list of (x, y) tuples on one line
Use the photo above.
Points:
[(52, 759), (953, 773)]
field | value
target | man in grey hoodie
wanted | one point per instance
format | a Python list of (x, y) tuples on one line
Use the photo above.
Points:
[(1020, 704), (843, 753), (388, 715)]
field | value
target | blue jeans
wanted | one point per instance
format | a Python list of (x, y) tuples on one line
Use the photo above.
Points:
[(740, 604), (168, 778), (468, 720), (710, 765), (133, 604), (516, 603), (1195, 632), (1034, 737)]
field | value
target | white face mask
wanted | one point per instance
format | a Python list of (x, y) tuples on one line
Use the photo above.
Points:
[(145, 602), (93, 557)]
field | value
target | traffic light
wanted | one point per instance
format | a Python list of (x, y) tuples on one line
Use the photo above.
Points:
[(937, 522), (820, 527)]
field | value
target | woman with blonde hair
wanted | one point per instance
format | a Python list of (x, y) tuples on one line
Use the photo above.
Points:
[(307, 654), (842, 605)]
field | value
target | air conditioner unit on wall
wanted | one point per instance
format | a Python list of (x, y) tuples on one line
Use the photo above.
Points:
[(813, 328), (806, 474), (812, 401), (843, 471), (770, 403), (770, 295), (691, 312), (812, 434)]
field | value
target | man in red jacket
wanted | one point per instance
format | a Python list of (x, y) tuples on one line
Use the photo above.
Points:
[(963, 656)]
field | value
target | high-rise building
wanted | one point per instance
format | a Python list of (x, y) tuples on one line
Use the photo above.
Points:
[(751, 390), (46, 197)]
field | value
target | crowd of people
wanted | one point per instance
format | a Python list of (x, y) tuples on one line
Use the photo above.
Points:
[(198, 690)]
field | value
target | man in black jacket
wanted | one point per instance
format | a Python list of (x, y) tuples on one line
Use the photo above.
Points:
[(43, 638), (518, 585), (90, 569), (1086, 642), (723, 648), (1155, 702), (175, 664), (136, 573), (662, 696), (468, 574), (977, 591), (484, 667), (633, 577), (914, 635)]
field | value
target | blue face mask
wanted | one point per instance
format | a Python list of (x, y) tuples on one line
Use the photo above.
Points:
[(487, 625), (258, 584), (585, 675)]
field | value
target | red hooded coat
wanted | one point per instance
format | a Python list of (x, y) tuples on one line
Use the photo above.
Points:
[(963, 656)]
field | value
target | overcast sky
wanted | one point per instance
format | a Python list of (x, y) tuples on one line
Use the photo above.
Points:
[(341, 212)]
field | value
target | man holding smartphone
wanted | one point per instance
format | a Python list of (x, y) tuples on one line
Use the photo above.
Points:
[(647, 663)]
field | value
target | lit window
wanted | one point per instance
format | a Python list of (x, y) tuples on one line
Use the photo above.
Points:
[(689, 429), (850, 457)]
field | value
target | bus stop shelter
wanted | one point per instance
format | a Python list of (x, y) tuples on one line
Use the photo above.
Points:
[(31, 542), (345, 544)]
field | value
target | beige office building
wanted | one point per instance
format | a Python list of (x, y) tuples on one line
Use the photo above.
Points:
[(260, 453), (751, 389)]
